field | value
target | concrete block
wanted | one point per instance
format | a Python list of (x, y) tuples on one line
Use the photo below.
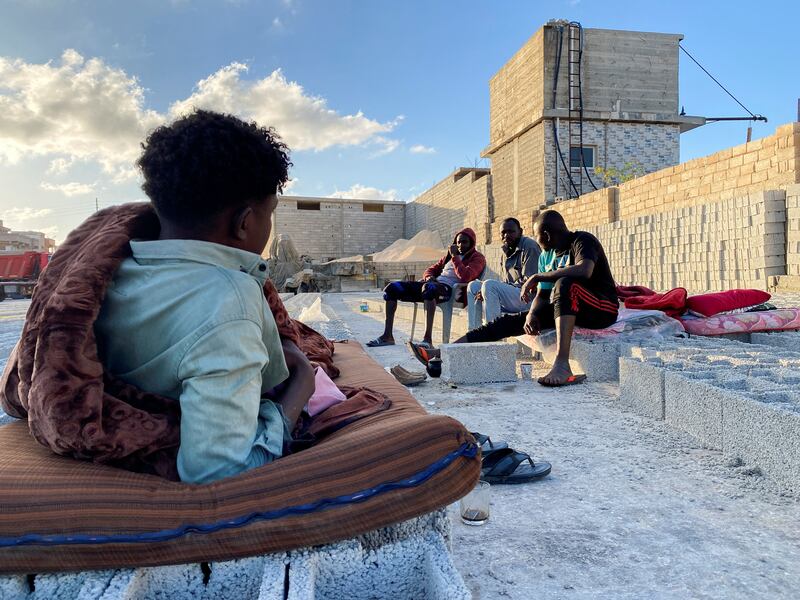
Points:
[(598, 360), (694, 405), (641, 387), (790, 340), (766, 435), (483, 362)]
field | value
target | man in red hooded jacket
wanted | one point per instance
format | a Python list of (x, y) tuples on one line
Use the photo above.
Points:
[(462, 264)]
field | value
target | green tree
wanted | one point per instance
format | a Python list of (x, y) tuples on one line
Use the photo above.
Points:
[(615, 176)]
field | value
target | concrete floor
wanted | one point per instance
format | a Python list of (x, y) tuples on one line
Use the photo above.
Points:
[(632, 509)]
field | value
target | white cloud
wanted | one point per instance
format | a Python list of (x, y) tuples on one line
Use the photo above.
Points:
[(289, 185), (305, 122), (387, 146), (361, 192), (59, 166), (276, 23), (420, 149), (78, 109), (21, 215), (73, 188), (75, 109)]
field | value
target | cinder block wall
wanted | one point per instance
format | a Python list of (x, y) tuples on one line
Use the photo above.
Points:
[(516, 91), (772, 162), (733, 243), (462, 199), (596, 208), (518, 167), (341, 227)]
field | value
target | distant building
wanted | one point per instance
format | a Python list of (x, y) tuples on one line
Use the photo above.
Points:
[(325, 228), (23, 241), (572, 100)]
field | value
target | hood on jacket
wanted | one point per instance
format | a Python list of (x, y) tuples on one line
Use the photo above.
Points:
[(467, 231)]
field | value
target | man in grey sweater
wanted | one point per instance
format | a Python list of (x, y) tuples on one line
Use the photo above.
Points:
[(492, 297)]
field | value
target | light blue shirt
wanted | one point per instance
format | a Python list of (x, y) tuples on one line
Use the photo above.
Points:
[(188, 320), (548, 261)]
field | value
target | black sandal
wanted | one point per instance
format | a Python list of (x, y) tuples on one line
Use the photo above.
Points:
[(492, 447), (508, 466)]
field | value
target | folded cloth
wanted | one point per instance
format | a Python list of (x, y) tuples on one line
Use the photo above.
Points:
[(325, 395), (631, 291), (673, 302), (54, 376)]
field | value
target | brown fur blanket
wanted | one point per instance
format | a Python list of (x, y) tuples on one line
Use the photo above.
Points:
[(55, 379)]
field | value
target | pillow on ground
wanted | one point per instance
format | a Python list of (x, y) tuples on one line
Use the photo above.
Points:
[(708, 305)]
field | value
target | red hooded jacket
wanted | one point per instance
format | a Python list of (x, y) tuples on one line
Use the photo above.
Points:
[(467, 268)]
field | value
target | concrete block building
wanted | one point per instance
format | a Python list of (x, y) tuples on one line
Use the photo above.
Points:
[(326, 228), (572, 100), (462, 199), (14, 242)]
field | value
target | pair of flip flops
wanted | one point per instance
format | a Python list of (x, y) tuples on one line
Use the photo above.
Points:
[(378, 343), (503, 465)]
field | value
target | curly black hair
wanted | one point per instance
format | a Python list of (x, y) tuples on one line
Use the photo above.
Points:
[(206, 162)]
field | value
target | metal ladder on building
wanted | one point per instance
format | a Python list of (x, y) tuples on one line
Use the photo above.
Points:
[(574, 51)]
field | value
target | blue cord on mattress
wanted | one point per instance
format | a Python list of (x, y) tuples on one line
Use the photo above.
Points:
[(466, 450)]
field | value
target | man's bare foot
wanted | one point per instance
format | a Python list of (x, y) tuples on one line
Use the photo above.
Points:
[(558, 375)]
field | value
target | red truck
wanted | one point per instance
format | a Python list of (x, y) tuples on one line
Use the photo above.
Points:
[(19, 272)]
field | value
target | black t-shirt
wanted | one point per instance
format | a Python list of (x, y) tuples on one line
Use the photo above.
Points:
[(584, 246)]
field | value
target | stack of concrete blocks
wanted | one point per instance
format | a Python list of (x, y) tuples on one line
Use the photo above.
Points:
[(742, 399), (409, 560), (598, 359), (734, 243), (482, 362), (792, 278), (786, 340)]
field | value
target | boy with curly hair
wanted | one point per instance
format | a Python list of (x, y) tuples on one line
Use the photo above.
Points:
[(186, 317)]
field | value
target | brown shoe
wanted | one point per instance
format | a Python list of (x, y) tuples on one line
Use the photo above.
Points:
[(407, 377)]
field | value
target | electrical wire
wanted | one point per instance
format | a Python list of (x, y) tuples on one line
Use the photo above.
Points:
[(716, 81)]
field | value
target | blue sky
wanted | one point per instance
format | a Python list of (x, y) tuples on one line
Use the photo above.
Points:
[(377, 98)]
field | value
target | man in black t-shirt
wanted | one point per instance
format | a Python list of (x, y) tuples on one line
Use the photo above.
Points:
[(583, 293)]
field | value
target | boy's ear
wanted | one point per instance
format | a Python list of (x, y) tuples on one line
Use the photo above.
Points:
[(242, 219)]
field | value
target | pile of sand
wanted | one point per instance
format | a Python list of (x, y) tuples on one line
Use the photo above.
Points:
[(346, 259), (426, 246)]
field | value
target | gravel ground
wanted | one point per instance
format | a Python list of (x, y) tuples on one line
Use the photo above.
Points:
[(632, 509)]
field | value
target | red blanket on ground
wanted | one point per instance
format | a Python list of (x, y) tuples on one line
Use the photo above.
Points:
[(55, 379), (673, 302)]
